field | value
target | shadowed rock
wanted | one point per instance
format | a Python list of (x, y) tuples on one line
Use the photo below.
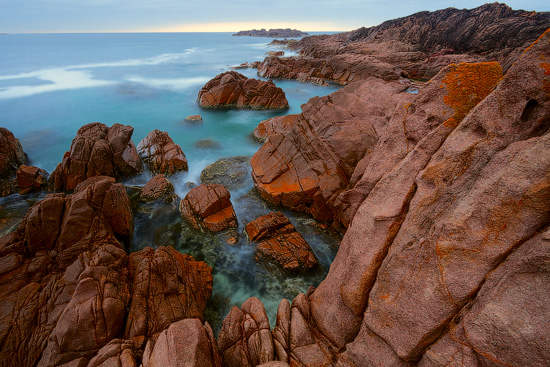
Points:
[(31, 179), (12, 157), (158, 188)]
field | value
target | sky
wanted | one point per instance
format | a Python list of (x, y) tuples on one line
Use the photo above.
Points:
[(45, 16)]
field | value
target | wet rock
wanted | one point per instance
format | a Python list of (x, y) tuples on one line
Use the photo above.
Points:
[(161, 154), (279, 244), (245, 338), (194, 118), (158, 188), (97, 150), (31, 179), (184, 343), (230, 172), (207, 144), (231, 89), (208, 206)]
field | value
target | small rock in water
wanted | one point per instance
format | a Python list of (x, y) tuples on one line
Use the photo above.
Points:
[(230, 172), (197, 119)]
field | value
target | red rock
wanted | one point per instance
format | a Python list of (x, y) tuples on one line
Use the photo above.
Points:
[(308, 159), (181, 287), (158, 187), (31, 179), (208, 206), (11, 154), (231, 89), (245, 338), (97, 150), (161, 154), (279, 244), (184, 343)]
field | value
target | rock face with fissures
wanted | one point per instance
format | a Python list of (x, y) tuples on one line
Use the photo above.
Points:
[(279, 245), (208, 206), (161, 154), (232, 89), (70, 294), (97, 150)]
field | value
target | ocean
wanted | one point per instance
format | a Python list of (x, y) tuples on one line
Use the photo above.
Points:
[(52, 84)]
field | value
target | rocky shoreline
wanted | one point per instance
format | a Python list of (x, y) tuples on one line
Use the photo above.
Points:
[(443, 195)]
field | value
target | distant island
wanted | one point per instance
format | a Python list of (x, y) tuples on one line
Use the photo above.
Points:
[(272, 33)]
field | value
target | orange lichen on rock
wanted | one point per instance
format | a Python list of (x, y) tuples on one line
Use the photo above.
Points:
[(467, 85)]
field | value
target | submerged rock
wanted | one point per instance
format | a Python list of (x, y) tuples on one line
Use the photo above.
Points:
[(161, 154), (279, 244), (97, 150), (231, 172), (194, 118), (208, 206), (231, 89)]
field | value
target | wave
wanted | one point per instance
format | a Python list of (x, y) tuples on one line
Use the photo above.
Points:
[(171, 84)]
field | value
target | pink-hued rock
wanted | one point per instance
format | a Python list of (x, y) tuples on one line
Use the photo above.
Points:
[(308, 159), (31, 179), (208, 206), (161, 154), (279, 245), (181, 287), (118, 352), (186, 343), (97, 150), (245, 338), (232, 89), (158, 188)]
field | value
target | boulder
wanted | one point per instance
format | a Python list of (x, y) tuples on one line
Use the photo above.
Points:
[(161, 154), (97, 150), (158, 188), (233, 172), (279, 245), (231, 89), (11, 154), (31, 179), (208, 206), (245, 338)]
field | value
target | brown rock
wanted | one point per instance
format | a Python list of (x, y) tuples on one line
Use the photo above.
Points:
[(161, 154), (181, 287), (97, 150), (118, 352), (197, 118), (279, 244), (245, 338), (308, 159), (208, 206), (157, 188), (31, 179), (185, 343), (11, 154), (231, 89)]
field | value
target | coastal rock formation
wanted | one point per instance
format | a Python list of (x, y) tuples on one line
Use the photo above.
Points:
[(280, 246), (231, 89), (31, 179), (278, 32), (97, 150), (70, 293), (12, 157), (158, 188), (416, 46), (208, 206), (161, 154), (245, 338)]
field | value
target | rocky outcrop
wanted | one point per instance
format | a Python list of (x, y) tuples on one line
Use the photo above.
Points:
[(161, 154), (72, 296), (208, 207), (231, 89), (245, 338), (416, 46), (12, 157), (158, 188), (279, 245), (278, 32), (97, 150), (31, 179)]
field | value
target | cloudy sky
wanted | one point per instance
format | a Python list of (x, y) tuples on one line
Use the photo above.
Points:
[(18, 16)]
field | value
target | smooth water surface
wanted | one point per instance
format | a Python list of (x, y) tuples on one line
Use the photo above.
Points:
[(52, 84)]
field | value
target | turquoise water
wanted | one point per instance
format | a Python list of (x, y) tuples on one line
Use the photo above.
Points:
[(52, 84)]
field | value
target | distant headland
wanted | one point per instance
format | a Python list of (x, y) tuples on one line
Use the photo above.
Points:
[(279, 32)]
